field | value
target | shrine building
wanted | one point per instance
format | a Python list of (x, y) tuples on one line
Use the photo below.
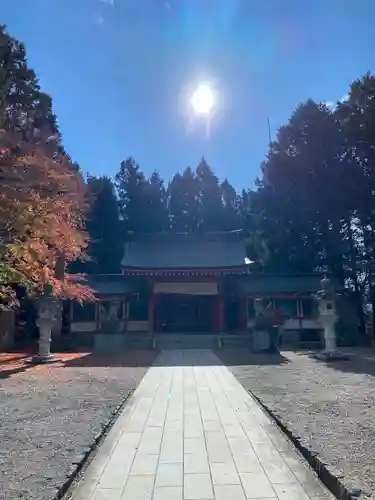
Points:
[(189, 287)]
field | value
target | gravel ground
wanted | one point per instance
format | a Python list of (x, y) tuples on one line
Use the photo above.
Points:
[(331, 406), (50, 413)]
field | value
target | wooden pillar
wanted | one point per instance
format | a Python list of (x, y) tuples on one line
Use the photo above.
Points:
[(151, 307), (221, 325), (215, 314), (244, 313)]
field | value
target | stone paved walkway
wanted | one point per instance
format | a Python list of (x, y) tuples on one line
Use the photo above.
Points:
[(191, 432)]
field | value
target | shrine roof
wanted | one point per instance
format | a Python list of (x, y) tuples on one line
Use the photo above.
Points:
[(110, 284), (184, 251), (278, 283)]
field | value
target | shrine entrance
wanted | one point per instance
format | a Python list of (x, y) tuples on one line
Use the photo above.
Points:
[(184, 313), (233, 315)]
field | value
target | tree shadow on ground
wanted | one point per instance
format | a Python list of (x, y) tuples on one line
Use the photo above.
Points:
[(361, 360), (243, 357), (15, 363), (188, 357), (128, 358), (12, 363)]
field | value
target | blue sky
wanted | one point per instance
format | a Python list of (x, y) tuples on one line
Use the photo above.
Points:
[(120, 73)]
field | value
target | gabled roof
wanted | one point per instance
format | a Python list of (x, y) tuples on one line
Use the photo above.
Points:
[(278, 283), (184, 251), (110, 284)]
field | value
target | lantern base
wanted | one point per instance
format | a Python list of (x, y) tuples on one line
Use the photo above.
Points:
[(43, 360)]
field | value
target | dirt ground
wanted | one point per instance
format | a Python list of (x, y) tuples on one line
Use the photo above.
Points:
[(49, 414), (331, 406)]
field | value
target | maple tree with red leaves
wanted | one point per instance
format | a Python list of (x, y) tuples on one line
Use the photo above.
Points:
[(42, 209)]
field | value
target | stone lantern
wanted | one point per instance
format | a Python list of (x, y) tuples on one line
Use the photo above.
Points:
[(327, 318), (47, 307)]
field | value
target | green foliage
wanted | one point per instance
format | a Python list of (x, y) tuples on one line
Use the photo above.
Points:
[(157, 219), (210, 200), (131, 188), (183, 192), (193, 201), (105, 229)]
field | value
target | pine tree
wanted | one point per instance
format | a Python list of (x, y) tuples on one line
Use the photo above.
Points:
[(19, 89), (210, 204), (45, 126), (183, 202), (156, 205), (300, 195), (231, 206), (131, 188), (104, 228)]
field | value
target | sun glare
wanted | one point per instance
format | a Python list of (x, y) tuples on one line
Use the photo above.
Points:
[(203, 100)]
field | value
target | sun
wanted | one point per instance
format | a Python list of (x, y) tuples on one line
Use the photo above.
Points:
[(203, 100)]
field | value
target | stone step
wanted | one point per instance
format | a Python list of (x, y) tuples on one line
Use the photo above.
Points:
[(235, 341), (186, 341)]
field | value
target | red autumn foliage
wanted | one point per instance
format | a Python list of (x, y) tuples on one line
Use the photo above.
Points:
[(42, 212)]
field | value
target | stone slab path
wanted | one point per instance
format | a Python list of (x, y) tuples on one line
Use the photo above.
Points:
[(191, 432)]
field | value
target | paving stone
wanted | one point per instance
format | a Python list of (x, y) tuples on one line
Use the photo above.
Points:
[(194, 445), (116, 472), (169, 475), (139, 488), (172, 437), (144, 464), (168, 493), (85, 488), (291, 491), (247, 462), (193, 426), (150, 445), (256, 485), (266, 451), (240, 445), (295, 461), (218, 452), (196, 463), (278, 472), (258, 435), (212, 425), (171, 453), (224, 473), (173, 426), (107, 494), (156, 421), (198, 487), (129, 440), (234, 431), (232, 492)]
